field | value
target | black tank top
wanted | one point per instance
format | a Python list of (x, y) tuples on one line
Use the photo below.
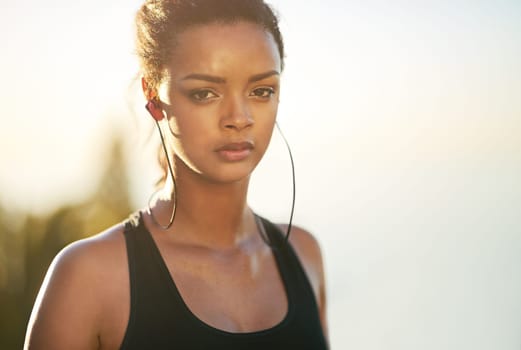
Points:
[(159, 318)]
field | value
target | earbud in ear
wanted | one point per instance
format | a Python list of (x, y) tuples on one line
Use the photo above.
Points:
[(154, 110)]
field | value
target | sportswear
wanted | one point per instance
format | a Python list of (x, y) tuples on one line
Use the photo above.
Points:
[(159, 318)]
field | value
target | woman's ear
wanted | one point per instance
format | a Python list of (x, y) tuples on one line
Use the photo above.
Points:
[(149, 93), (153, 104)]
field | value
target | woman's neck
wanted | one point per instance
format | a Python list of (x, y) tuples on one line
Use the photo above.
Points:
[(210, 214)]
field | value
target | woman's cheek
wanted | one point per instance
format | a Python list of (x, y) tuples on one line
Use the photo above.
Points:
[(173, 126)]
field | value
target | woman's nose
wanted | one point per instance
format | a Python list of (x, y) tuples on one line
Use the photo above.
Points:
[(237, 114)]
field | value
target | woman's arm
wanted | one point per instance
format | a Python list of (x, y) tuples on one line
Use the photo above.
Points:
[(66, 310)]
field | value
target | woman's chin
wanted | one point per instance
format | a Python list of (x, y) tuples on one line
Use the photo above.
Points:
[(220, 172), (230, 173), (231, 177)]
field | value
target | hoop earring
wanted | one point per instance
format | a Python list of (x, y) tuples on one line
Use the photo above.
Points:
[(260, 226), (174, 192)]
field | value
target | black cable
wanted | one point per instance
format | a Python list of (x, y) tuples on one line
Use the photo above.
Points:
[(174, 192), (258, 221), (294, 183)]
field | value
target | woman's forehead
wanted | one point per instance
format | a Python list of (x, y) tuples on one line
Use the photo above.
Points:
[(219, 48)]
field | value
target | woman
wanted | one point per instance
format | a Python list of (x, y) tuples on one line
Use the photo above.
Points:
[(214, 275)]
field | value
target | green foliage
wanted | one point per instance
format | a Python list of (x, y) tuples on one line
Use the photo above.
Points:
[(28, 243)]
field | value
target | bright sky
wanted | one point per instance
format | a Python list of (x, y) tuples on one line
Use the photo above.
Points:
[(404, 118)]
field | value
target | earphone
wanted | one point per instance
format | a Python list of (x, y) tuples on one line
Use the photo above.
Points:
[(157, 114)]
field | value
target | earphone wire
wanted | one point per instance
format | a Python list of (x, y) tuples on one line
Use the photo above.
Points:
[(288, 231), (258, 219), (174, 192)]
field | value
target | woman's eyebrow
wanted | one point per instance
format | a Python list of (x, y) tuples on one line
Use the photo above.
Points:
[(205, 77), (258, 77), (220, 80)]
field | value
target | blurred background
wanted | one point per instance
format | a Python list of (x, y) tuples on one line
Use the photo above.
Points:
[(405, 123)]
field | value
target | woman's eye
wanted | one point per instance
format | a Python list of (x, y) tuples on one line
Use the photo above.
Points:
[(264, 92), (202, 95)]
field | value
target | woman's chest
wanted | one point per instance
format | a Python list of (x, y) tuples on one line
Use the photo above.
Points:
[(234, 294), (231, 292)]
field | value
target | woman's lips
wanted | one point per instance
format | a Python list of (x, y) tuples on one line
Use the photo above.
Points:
[(235, 151)]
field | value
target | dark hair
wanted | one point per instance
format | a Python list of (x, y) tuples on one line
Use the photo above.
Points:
[(159, 21)]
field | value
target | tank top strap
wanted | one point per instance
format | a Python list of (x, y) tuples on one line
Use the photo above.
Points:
[(300, 290), (131, 237)]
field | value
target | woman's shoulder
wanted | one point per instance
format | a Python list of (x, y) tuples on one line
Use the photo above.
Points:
[(305, 240), (305, 245), (94, 252), (81, 286), (308, 250), (96, 265)]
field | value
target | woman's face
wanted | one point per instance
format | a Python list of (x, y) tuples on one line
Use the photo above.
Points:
[(221, 96)]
